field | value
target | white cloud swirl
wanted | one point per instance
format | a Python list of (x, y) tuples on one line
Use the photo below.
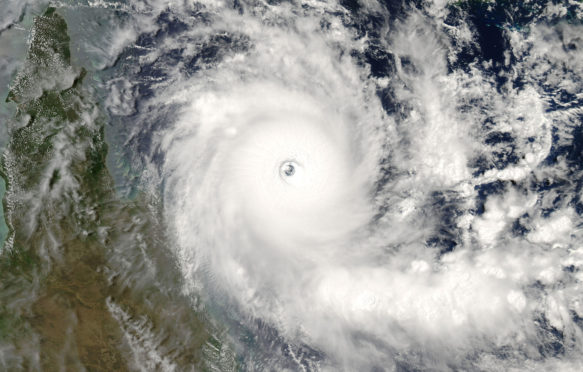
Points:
[(271, 192)]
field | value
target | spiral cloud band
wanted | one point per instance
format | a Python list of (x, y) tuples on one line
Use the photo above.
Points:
[(271, 177), (367, 235), (280, 169)]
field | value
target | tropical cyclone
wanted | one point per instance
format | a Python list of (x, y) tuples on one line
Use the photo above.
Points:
[(270, 178), (274, 173), (356, 207)]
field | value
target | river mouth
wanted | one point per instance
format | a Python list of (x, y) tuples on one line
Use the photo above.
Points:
[(304, 185)]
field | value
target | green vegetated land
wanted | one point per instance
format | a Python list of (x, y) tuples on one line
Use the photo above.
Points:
[(79, 284)]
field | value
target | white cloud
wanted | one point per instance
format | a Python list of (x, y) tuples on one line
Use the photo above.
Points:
[(304, 253)]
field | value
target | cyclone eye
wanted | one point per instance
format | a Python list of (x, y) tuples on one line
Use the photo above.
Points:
[(287, 169)]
